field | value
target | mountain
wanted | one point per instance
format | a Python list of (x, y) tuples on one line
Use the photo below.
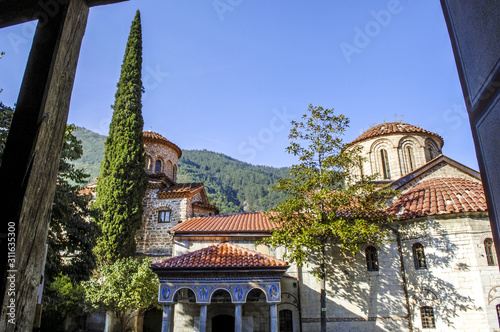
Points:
[(232, 185)]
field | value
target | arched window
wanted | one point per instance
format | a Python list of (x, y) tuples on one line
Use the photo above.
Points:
[(488, 248), (149, 163), (410, 160), (169, 169), (427, 317), (419, 256), (385, 164), (158, 166), (431, 150), (371, 258), (286, 321)]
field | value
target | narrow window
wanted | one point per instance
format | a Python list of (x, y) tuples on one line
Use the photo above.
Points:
[(427, 317), (149, 163), (371, 258), (164, 216), (158, 166), (488, 248), (385, 163), (286, 321), (409, 158), (419, 256), (498, 313)]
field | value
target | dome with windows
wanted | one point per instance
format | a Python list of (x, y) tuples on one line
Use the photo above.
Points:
[(392, 150), (162, 156)]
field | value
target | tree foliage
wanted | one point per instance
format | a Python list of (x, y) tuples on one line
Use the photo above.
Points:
[(329, 203), (122, 181), (6, 115), (127, 284)]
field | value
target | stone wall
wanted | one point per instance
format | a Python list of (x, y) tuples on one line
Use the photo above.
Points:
[(457, 281)]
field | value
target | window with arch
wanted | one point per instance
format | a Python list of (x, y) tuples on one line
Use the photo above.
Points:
[(158, 166), (431, 150), (169, 169), (149, 163), (419, 256), (384, 159), (410, 159), (427, 317), (488, 248), (286, 320), (164, 215), (371, 258)]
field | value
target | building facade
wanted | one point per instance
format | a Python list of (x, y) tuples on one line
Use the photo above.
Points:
[(436, 271)]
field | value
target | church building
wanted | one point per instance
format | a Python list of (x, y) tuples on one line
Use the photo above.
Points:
[(437, 271)]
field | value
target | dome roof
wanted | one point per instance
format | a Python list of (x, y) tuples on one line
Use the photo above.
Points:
[(394, 128), (150, 136)]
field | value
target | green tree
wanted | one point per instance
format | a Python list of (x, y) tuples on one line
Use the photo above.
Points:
[(71, 238), (122, 181), (329, 204), (6, 115), (125, 285)]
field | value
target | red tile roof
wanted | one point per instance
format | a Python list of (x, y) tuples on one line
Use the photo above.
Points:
[(230, 223), (207, 206), (157, 138), (222, 255), (440, 196), (393, 128), (179, 190)]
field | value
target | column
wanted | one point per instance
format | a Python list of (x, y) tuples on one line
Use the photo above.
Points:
[(238, 326), (167, 324), (203, 318), (274, 317)]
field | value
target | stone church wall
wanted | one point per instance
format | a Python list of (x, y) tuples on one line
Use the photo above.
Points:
[(158, 151), (457, 281)]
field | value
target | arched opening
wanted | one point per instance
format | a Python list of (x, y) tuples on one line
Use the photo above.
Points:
[(223, 323), (410, 159), (221, 296), (185, 295), (488, 248), (149, 163), (169, 169), (384, 159), (256, 295), (158, 166), (431, 150)]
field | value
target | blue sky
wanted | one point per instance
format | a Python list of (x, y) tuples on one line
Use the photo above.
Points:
[(229, 75)]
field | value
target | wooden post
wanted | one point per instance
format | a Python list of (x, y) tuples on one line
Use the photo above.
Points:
[(32, 154)]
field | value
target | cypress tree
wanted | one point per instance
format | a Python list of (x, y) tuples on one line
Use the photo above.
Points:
[(122, 180)]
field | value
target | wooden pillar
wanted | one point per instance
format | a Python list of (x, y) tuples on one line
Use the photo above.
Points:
[(31, 159)]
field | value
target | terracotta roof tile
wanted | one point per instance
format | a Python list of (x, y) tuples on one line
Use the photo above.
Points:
[(242, 222), (222, 255), (179, 190), (440, 196), (206, 206), (393, 128), (155, 137)]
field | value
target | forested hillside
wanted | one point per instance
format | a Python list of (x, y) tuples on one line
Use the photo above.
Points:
[(232, 185)]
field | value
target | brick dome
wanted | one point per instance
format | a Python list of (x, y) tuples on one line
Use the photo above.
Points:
[(150, 136), (394, 128)]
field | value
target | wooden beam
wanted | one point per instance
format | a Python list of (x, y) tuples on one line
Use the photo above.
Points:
[(32, 154), (19, 11)]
